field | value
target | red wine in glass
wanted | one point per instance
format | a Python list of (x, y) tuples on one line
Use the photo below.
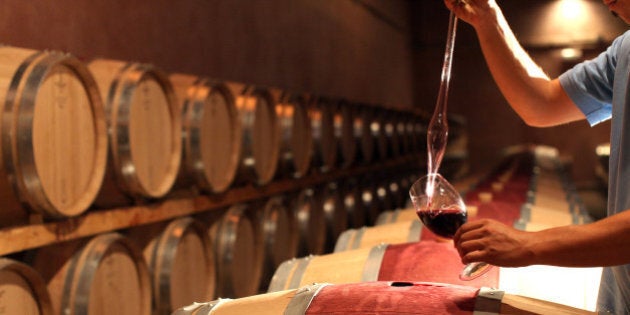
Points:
[(443, 222)]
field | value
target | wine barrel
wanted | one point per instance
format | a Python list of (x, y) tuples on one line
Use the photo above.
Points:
[(363, 134), (311, 222), (532, 213), (393, 233), (404, 146), (378, 126), (321, 113), (239, 252), (181, 262), (369, 202), (419, 134), (384, 196), (344, 122), (260, 143), (416, 261), (334, 211), (409, 136), (383, 297), (144, 124), (399, 215), (53, 133), (351, 196), (103, 275), (279, 234), (391, 133), (23, 290), (557, 201), (397, 195), (296, 142), (210, 124)]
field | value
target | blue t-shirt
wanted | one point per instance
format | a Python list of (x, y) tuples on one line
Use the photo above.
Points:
[(599, 87)]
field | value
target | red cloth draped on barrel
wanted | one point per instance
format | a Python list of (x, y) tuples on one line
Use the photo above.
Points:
[(399, 298), (429, 261)]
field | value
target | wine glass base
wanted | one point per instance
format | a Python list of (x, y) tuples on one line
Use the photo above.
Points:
[(474, 270)]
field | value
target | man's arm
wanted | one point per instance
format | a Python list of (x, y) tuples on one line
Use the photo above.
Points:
[(602, 243), (537, 99)]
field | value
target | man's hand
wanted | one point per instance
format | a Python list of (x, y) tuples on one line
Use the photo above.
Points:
[(493, 242)]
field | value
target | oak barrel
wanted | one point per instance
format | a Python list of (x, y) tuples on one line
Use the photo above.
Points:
[(331, 202), (417, 261), (181, 262), (296, 142), (23, 290), (378, 128), (399, 215), (53, 133), (345, 133), (322, 115), (279, 235), (369, 201), (390, 132), (103, 275), (363, 134), (260, 142), (239, 251), (392, 233), (144, 124), (211, 132), (419, 133), (383, 297), (311, 222), (351, 196)]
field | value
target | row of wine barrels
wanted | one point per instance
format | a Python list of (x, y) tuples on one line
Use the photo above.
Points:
[(382, 297), (152, 269), (108, 133)]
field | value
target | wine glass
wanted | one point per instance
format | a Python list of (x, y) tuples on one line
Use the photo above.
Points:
[(441, 209)]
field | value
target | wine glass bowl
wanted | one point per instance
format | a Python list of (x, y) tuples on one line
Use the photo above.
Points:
[(442, 210), (438, 205)]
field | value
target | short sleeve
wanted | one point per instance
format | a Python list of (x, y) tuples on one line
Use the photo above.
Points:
[(590, 84)]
